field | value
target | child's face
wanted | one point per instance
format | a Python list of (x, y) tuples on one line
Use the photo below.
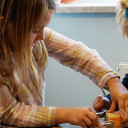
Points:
[(38, 31)]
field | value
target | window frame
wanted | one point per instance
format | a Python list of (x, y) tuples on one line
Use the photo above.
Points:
[(82, 1), (88, 7)]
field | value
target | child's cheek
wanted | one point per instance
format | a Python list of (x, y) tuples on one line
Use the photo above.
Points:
[(33, 38)]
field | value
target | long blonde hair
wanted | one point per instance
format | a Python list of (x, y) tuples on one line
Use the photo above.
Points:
[(24, 15), (120, 17)]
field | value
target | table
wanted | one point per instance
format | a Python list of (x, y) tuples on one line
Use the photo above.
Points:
[(59, 126), (66, 125)]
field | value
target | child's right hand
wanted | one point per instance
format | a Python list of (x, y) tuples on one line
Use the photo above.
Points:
[(101, 103), (81, 116)]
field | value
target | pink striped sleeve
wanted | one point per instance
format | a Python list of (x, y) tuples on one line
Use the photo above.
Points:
[(79, 57), (19, 114)]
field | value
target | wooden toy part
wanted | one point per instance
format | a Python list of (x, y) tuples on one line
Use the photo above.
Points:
[(115, 117)]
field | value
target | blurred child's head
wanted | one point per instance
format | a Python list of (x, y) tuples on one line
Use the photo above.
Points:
[(122, 17)]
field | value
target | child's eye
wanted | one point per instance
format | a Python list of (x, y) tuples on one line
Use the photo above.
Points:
[(36, 31)]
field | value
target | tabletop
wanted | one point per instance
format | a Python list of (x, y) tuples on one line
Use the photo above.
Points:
[(66, 125)]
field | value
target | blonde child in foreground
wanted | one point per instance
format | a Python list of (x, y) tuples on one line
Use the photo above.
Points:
[(25, 43), (105, 102)]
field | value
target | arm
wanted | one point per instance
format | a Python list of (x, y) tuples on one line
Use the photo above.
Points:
[(24, 112), (79, 57), (19, 114)]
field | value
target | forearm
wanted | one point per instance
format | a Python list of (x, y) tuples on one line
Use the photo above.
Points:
[(17, 113), (79, 57), (22, 115)]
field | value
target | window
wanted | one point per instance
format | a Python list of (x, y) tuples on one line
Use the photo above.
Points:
[(88, 6), (98, 0)]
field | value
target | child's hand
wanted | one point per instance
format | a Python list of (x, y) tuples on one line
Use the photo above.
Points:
[(81, 116), (119, 95), (101, 103)]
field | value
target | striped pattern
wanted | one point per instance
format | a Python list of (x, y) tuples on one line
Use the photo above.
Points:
[(25, 109), (79, 57)]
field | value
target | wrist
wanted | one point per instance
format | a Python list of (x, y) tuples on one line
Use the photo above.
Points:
[(114, 82), (61, 115)]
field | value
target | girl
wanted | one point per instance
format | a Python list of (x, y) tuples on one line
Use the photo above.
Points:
[(25, 43), (105, 102)]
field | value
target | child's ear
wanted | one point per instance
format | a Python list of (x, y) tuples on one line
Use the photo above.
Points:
[(1, 22)]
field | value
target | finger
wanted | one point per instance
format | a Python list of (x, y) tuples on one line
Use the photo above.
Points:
[(92, 111), (87, 121), (83, 124), (93, 117), (113, 106), (121, 105)]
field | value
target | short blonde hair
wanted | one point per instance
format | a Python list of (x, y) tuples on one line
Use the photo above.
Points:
[(120, 17)]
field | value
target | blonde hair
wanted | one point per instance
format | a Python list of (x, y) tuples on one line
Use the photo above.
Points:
[(24, 15), (120, 17)]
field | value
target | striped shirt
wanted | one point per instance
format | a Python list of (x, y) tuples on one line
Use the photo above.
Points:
[(30, 111)]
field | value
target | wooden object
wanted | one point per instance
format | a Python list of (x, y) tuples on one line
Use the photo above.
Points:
[(115, 117)]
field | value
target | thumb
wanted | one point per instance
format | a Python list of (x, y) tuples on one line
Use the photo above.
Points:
[(113, 107)]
